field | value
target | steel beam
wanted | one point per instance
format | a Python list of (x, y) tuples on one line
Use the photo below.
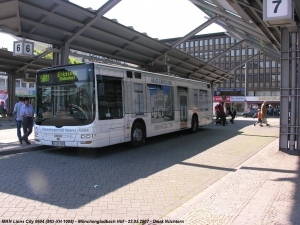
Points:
[(260, 48), (224, 14), (244, 62), (240, 11), (32, 61), (248, 6), (285, 91), (258, 44), (257, 19), (44, 17), (93, 51), (224, 52), (252, 31), (18, 16), (91, 40), (195, 31), (238, 22), (104, 9), (11, 91), (270, 52), (197, 71), (50, 13), (293, 85), (44, 26), (88, 39), (298, 97), (64, 54), (74, 8), (297, 7)]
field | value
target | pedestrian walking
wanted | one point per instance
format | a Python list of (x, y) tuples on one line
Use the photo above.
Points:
[(222, 114), (259, 116), (2, 109), (233, 110), (264, 113), (27, 112), (217, 112), (18, 117), (230, 113)]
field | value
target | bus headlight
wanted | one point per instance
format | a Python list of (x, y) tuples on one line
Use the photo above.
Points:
[(86, 136), (36, 134)]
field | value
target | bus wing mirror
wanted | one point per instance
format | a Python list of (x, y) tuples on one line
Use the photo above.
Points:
[(101, 89)]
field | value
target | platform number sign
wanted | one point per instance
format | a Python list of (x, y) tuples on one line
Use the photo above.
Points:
[(18, 48), (277, 8), (277, 5), (278, 12), (23, 48)]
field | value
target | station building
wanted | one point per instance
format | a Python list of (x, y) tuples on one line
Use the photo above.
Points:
[(256, 81)]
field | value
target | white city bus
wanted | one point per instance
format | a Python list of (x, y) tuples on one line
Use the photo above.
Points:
[(95, 105)]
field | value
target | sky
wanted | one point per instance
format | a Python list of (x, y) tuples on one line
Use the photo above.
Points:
[(160, 19), (6, 41)]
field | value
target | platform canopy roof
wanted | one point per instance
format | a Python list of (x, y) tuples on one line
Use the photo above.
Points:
[(243, 20), (20, 66), (62, 23)]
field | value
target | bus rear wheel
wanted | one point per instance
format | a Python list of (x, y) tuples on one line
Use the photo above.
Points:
[(137, 135)]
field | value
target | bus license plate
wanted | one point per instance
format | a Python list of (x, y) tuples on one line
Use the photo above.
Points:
[(58, 143)]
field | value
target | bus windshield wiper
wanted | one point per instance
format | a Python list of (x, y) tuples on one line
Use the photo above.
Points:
[(80, 116)]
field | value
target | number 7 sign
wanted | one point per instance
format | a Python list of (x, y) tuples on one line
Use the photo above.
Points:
[(278, 12), (277, 5)]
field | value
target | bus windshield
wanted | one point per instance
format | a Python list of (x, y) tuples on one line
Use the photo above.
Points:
[(65, 96)]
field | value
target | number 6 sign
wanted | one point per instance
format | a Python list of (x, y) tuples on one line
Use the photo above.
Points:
[(278, 12), (23, 48)]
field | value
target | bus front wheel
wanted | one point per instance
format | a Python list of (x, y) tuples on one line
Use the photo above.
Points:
[(137, 135)]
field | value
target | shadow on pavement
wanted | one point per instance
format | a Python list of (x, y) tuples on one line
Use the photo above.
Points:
[(73, 177), (295, 216)]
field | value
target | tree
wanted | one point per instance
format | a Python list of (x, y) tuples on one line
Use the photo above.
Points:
[(50, 56)]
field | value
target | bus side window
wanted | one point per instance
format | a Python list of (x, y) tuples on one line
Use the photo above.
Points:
[(111, 103), (139, 99), (101, 89)]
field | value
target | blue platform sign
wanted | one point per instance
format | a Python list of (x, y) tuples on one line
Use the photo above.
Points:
[(31, 92)]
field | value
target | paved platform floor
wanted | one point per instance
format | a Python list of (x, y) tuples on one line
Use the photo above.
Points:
[(253, 182), (9, 143)]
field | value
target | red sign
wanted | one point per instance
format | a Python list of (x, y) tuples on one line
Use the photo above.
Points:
[(3, 92), (219, 99)]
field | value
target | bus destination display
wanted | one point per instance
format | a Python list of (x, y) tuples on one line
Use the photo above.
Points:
[(44, 78), (66, 76), (58, 77)]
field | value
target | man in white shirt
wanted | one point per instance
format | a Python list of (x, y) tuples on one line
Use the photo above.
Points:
[(19, 118), (27, 112)]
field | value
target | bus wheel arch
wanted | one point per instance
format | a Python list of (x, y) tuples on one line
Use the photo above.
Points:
[(138, 133), (194, 123)]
